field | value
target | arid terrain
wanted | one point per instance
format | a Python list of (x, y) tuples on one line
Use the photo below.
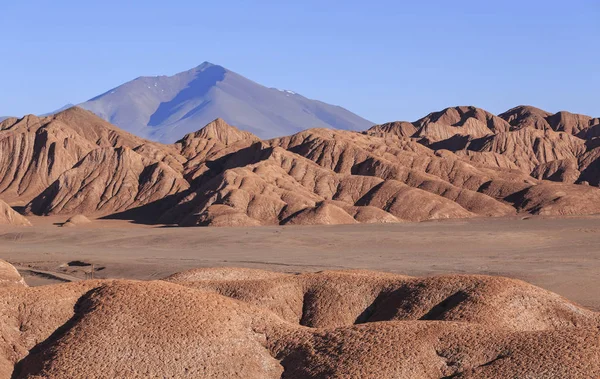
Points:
[(461, 162), (234, 323), (461, 245), (558, 254)]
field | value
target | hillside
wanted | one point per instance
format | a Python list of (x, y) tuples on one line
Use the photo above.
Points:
[(165, 108), (460, 162)]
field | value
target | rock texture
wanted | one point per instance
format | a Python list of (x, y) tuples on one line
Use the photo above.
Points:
[(527, 116), (9, 276), (456, 163), (9, 216), (233, 323), (35, 151)]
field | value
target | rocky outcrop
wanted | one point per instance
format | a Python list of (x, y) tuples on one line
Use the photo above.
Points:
[(531, 117), (76, 220), (283, 187), (106, 181), (459, 162), (563, 170), (404, 161), (35, 151), (219, 131), (525, 116), (397, 128), (459, 121), (333, 299), (232, 323), (9, 216), (528, 147), (550, 199), (9, 276)]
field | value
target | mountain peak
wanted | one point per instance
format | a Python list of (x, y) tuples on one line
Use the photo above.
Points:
[(166, 108), (220, 130), (206, 65)]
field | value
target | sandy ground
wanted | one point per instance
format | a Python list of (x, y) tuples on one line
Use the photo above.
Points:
[(562, 255)]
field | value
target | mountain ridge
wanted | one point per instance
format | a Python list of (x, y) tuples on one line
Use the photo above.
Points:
[(460, 162), (165, 108)]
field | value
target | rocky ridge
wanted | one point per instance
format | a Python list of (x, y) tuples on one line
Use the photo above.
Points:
[(457, 163)]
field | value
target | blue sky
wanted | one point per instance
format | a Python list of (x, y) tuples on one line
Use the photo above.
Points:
[(385, 60)]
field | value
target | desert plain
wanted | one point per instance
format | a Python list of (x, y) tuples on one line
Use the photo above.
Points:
[(560, 254), (436, 299)]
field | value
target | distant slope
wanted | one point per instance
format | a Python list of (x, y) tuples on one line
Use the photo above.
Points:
[(165, 108)]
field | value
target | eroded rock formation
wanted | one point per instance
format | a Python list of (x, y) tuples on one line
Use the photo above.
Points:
[(456, 163), (231, 323)]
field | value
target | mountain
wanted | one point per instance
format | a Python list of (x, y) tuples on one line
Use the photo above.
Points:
[(460, 162), (165, 108), (41, 157)]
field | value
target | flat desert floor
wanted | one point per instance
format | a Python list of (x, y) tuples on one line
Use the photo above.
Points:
[(559, 254)]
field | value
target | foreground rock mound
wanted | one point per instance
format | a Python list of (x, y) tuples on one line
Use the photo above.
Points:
[(9, 276), (9, 216), (340, 298), (232, 323), (166, 331)]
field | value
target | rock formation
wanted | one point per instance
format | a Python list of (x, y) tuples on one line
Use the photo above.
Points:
[(456, 163), (35, 151), (106, 181), (9, 276), (76, 221), (9, 216), (231, 323), (527, 116)]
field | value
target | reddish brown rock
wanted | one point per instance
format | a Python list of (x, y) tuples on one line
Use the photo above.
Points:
[(34, 151), (232, 323), (9, 276), (459, 162), (108, 181), (397, 128), (9, 216)]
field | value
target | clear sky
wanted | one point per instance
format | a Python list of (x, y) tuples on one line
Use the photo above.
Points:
[(384, 60)]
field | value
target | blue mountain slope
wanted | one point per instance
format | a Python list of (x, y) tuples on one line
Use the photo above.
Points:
[(165, 108)]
